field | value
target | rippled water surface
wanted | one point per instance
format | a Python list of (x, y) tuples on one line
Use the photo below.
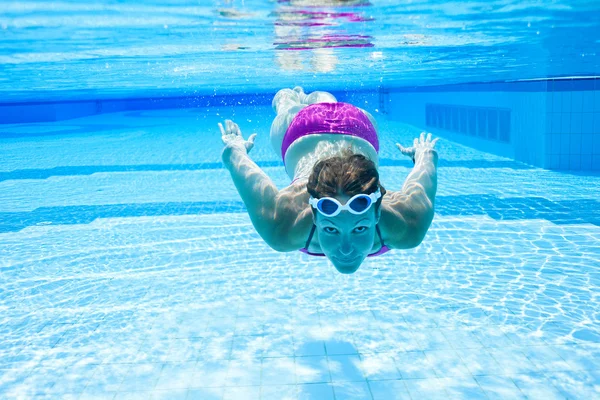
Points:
[(130, 270), (81, 49)]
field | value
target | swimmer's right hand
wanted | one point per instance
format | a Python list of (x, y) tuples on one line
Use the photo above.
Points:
[(420, 145), (233, 139)]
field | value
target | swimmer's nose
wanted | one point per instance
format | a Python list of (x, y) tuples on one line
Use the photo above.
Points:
[(346, 248)]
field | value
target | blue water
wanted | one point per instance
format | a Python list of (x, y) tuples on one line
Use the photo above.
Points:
[(129, 268)]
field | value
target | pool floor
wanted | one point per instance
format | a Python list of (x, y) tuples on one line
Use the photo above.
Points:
[(130, 270)]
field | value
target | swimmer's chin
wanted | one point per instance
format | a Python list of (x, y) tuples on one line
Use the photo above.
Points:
[(347, 269)]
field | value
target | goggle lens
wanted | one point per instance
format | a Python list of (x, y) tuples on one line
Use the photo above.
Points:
[(327, 206), (360, 204)]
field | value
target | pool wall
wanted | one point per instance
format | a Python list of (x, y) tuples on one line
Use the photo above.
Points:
[(552, 124)]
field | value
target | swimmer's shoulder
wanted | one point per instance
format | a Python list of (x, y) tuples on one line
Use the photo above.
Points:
[(293, 220), (400, 223)]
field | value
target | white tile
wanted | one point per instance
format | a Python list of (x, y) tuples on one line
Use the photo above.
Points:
[(278, 371), (208, 393), (447, 363), (312, 369), (414, 365), (479, 362), (244, 372), (319, 391), (176, 376), (537, 386), (141, 377), (243, 392), (351, 390), (379, 366), (499, 387), (389, 390), (280, 392), (345, 368), (432, 388)]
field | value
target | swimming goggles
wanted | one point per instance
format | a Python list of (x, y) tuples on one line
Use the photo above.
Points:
[(358, 204)]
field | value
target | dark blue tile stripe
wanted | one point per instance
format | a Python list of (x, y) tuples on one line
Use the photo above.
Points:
[(557, 84), (39, 111), (91, 169), (560, 212)]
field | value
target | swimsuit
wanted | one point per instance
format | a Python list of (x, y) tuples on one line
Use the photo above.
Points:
[(384, 248), (331, 118), (337, 118)]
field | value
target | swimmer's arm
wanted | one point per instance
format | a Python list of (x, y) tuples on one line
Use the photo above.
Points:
[(408, 213), (274, 213)]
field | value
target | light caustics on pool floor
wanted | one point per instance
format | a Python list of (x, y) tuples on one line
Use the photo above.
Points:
[(137, 275)]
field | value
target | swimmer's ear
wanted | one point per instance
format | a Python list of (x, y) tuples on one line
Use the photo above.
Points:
[(377, 214)]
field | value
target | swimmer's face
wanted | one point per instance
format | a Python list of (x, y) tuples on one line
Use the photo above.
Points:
[(347, 238)]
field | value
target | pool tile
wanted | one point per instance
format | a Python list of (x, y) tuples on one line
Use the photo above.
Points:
[(414, 365), (491, 336), (308, 348), (176, 376), (479, 362), (537, 386), (345, 368), (351, 390), (576, 384), (207, 393), (319, 391), (431, 339), (389, 390), (432, 388), (247, 347), (499, 387), (140, 377), (209, 373), (512, 360), (373, 342), (244, 372), (340, 346), (465, 387), (171, 394), (313, 369), (278, 371), (242, 392), (379, 366), (107, 378), (545, 358), (460, 338), (447, 363), (579, 357), (278, 346), (279, 392), (246, 326)]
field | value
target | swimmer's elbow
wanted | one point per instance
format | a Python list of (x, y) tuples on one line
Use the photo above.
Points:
[(280, 246), (422, 225), (417, 228)]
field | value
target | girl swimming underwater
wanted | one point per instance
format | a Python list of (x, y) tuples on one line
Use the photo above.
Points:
[(335, 205)]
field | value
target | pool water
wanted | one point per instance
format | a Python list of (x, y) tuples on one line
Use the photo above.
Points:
[(131, 270)]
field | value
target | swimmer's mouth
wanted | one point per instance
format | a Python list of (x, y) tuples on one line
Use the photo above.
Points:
[(346, 260)]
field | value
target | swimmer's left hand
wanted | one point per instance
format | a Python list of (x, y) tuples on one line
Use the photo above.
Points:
[(232, 136)]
